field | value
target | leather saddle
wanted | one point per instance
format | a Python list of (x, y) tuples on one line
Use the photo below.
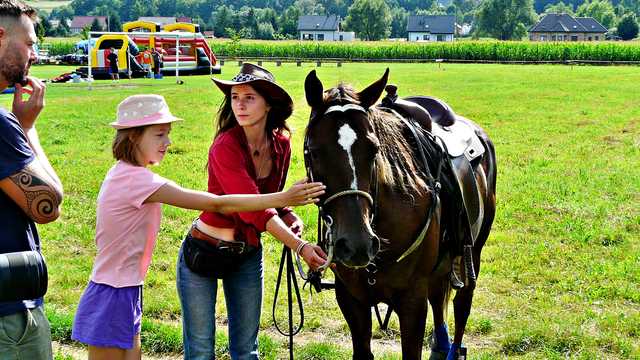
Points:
[(458, 138)]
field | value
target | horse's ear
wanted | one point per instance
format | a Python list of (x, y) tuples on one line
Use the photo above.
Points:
[(371, 94), (313, 90)]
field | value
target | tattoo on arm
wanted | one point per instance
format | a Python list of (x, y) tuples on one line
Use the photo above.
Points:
[(42, 197)]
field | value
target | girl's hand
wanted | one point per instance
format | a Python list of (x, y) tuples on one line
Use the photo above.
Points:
[(303, 193)]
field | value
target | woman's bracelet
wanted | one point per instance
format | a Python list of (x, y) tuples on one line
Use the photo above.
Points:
[(301, 246)]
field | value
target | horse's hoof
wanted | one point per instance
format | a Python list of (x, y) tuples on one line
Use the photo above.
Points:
[(438, 355)]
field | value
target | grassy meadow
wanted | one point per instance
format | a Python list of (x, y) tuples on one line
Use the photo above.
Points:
[(560, 275), (47, 5)]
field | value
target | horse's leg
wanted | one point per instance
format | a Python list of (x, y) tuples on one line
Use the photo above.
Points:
[(464, 297), (439, 291), (412, 309), (358, 317)]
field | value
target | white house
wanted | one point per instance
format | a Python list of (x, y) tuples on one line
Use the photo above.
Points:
[(322, 28), (431, 27)]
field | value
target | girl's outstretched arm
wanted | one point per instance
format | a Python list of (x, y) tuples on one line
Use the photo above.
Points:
[(300, 193)]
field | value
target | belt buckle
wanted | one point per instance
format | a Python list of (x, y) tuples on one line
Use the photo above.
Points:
[(232, 247)]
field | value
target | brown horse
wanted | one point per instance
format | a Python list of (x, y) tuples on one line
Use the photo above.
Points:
[(379, 198)]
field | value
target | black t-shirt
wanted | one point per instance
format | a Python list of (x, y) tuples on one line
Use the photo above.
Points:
[(113, 60), (17, 231)]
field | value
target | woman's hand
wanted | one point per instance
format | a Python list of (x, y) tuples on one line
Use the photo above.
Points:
[(294, 223), (313, 255), (303, 193)]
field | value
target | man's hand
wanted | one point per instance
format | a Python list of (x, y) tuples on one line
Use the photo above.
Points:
[(27, 111)]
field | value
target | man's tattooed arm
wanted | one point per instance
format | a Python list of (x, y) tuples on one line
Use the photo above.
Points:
[(33, 190)]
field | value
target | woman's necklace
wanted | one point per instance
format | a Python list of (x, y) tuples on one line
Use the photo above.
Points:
[(259, 159)]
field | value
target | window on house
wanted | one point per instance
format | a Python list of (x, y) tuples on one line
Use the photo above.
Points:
[(440, 37), (417, 38), (320, 37), (553, 38), (589, 38), (597, 38), (543, 37), (426, 37), (341, 37), (574, 37)]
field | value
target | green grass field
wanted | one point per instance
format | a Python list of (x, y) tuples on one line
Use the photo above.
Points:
[(560, 276), (47, 5)]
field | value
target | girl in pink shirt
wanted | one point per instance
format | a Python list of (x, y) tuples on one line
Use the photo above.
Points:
[(128, 219)]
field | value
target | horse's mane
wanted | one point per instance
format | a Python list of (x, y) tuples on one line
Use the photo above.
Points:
[(396, 164)]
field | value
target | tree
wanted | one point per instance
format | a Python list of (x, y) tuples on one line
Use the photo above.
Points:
[(222, 20), (84, 33), (288, 22), (335, 7), (114, 22), (309, 7), (59, 13), (265, 31), (250, 20), (63, 28), (559, 8), (46, 26), (399, 22), (268, 16), (628, 27), (601, 10), (370, 19), (40, 31), (95, 25), (632, 5), (505, 19)]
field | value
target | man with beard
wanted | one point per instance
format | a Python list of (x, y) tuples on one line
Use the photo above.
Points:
[(30, 190)]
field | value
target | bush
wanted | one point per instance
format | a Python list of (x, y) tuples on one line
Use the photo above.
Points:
[(628, 27)]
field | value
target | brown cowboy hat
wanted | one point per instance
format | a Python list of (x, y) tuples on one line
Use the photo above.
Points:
[(263, 80)]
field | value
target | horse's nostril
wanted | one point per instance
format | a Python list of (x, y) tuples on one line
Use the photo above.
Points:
[(341, 245), (375, 245)]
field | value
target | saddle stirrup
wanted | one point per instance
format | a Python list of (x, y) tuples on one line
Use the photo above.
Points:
[(455, 276)]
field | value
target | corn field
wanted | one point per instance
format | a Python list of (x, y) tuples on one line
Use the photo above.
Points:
[(61, 47), (479, 51), (465, 51)]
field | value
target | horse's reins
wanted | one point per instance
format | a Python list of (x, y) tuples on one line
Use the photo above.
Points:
[(325, 222)]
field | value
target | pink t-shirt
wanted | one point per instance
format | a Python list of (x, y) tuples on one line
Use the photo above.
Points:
[(126, 228)]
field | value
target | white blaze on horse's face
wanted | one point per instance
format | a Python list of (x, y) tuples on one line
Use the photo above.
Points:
[(346, 139)]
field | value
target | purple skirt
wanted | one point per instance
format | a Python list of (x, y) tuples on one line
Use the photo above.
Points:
[(108, 316)]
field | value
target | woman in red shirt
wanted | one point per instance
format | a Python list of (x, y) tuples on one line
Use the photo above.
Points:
[(249, 155)]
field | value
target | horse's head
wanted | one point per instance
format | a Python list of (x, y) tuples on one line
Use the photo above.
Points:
[(340, 150)]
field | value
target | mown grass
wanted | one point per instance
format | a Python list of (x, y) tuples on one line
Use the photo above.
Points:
[(560, 275)]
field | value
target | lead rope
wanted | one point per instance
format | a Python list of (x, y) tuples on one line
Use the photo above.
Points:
[(291, 278)]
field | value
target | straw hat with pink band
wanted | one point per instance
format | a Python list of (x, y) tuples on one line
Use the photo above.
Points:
[(143, 110)]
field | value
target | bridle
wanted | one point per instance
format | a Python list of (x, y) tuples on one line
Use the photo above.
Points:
[(325, 221)]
